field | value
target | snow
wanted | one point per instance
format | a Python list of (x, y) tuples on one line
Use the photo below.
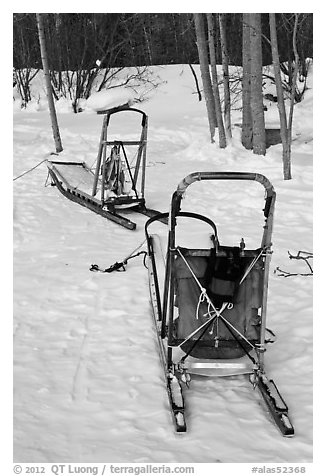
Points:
[(109, 98), (88, 386)]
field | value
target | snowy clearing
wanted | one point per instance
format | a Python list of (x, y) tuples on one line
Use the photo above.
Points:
[(88, 385)]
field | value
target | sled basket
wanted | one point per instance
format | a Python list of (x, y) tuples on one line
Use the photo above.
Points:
[(213, 301), (220, 275)]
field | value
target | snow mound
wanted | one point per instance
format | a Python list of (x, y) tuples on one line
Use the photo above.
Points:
[(109, 98)]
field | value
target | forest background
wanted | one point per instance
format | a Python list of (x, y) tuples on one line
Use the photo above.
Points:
[(83, 51)]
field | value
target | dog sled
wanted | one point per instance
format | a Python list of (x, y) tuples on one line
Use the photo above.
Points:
[(116, 184), (209, 304)]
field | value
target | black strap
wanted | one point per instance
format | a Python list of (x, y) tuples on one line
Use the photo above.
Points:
[(225, 268), (118, 265)]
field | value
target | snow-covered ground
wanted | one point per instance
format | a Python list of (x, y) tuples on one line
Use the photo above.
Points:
[(88, 385)]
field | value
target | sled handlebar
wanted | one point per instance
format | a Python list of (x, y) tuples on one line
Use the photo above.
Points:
[(114, 110), (198, 176)]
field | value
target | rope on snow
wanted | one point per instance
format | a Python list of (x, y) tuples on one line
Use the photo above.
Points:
[(35, 166), (121, 265), (118, 265)]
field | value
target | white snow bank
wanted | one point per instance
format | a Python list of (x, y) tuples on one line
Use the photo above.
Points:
[(109, 98)]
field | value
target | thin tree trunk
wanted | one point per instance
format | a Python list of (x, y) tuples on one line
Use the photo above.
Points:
[(246, 133), (196, 81), (45, 63), (226, 77), (212, 56), (257, 106), (295, 74), (60, 62), (287, 156), (280, 99), (205, 74), (148, 45)]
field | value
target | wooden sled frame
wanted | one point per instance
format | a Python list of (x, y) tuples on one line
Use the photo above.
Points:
[(108, 207), (140, 161)]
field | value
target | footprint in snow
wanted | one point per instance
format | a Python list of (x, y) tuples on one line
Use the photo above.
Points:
[(90, 284)]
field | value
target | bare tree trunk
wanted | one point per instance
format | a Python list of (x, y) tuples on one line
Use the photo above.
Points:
[(212, 56), (226, 77), (293, 90), (148, 45), (257, 106), (57, 30), (45, 63), (246, 133), (205, 74), (280, 100)]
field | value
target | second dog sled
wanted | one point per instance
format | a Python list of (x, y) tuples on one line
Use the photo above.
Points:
[(116, 184), (209, 304)]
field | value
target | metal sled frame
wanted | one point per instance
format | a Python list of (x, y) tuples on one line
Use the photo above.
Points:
[(107, 207), (176, 370)]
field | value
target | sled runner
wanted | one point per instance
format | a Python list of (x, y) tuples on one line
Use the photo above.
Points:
[(116, 183), (209, 304)]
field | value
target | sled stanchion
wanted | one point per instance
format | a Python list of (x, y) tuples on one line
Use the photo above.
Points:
[(155, 278), (144, 151), (166, 297), (99, 157), (202, 287), (261, 354)]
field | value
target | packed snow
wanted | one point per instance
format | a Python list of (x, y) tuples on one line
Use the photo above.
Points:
[(110, 98), (88, 385)]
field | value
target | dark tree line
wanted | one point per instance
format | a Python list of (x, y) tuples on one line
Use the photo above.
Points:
[(117, 39), (82, 44), (77, 40)]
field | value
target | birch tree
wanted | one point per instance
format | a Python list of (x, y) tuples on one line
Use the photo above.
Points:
[(226, 76), (285, 126), (246, 132), (46, 70), (217, 100), (205, 73), (287, 172), (256, 81)]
